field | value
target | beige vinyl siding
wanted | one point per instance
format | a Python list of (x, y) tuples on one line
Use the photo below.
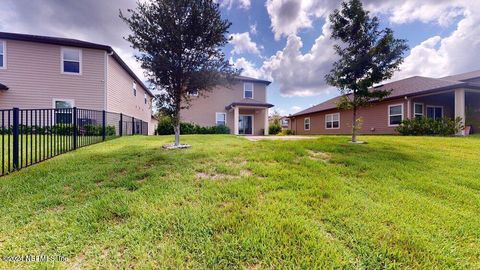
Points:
[(34, 77), (203, 108), (120, 96)]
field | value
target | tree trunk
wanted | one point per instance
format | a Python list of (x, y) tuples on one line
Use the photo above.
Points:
[(176, 128), (354, 126)]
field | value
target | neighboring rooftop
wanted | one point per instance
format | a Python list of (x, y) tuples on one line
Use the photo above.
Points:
[(409, 87), (249, 102), (74, 43)]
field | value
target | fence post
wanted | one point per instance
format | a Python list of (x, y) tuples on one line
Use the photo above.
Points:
[(133, 125), (16, 161), (120, 127), (104, 125), (75, 128)]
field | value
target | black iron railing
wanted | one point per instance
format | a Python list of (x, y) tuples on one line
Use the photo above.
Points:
[(30, 136)]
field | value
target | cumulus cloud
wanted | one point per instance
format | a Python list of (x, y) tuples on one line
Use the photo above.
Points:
[(242, 43), (302, 74), (244, 4), (248, 68)]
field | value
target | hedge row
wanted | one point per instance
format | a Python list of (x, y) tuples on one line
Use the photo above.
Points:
[(165, 127)]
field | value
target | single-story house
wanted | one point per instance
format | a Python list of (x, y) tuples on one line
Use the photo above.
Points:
[(452, 96)]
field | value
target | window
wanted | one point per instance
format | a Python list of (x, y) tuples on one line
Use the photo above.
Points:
[(332, 121), (3, 49), (71, 61), (63, 111), (220, 119), (193, 92), (435, 112), (134, 88), (248, 90), (395, 115), (306, 123), (284, 122), (145, 98), (418, 110)]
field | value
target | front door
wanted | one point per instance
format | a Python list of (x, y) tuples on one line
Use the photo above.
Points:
[(245, 125)]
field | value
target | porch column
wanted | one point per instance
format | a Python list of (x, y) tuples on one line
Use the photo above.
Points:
[(460, 107), (235, 120), (265, 132)]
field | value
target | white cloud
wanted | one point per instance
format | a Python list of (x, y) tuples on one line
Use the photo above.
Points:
[(244, 4), (248, 67), (242, 43), (253, 29), (302, 74)]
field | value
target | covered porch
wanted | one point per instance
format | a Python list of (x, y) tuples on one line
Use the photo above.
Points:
[(249, 118), (462, 103)]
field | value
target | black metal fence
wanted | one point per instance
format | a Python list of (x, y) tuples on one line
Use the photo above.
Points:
[(30, 136)]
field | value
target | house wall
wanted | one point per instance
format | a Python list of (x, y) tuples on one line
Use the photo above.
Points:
[(204, 108), (375, 120), (34, 77), (120, 97), (447, 101)]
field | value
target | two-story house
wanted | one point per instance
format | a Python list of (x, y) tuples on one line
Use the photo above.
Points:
[(242, 107), (49, 72)]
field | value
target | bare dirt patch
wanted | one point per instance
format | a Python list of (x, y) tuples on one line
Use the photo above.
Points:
[(319, 156)]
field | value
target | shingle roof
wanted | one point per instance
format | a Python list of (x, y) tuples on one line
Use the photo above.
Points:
[(74, 43), (249, 102), (3, 87), (407, 87), (464, 76)]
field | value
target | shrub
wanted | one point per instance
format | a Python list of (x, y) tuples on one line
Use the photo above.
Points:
[(429, 127), (274, 129), (286, 132), (165, 127)]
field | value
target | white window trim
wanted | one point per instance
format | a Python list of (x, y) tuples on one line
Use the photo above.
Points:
[(3, 43), (145, 99), (332, 114), (309, 123), (134, 88), (435, 106), (253, 90), (415, 113), (80, 63), (71, 101), (390, 115), (216, 117)]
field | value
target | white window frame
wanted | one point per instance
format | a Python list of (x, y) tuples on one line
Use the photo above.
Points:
[(415, 113), (3, 43), (54, 100), (309, 123), (390, 115), (216, 118), (80, 62), (245, 90), (332, 115), (434, 107), (285, 122), (134, 88), (145, 98)]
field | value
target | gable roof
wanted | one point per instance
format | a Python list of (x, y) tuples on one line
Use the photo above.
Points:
[(75, 43), (407, 87), (464, 76)]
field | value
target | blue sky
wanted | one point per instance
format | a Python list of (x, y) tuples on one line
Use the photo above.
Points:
[(285, 41)]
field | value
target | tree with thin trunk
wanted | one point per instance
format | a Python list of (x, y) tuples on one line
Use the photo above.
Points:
[(180, 44), (367, 54)]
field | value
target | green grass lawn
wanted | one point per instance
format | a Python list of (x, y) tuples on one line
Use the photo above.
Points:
[(396, 203)]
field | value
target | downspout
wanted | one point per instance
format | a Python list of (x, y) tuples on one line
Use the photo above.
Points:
[(107, 55)]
